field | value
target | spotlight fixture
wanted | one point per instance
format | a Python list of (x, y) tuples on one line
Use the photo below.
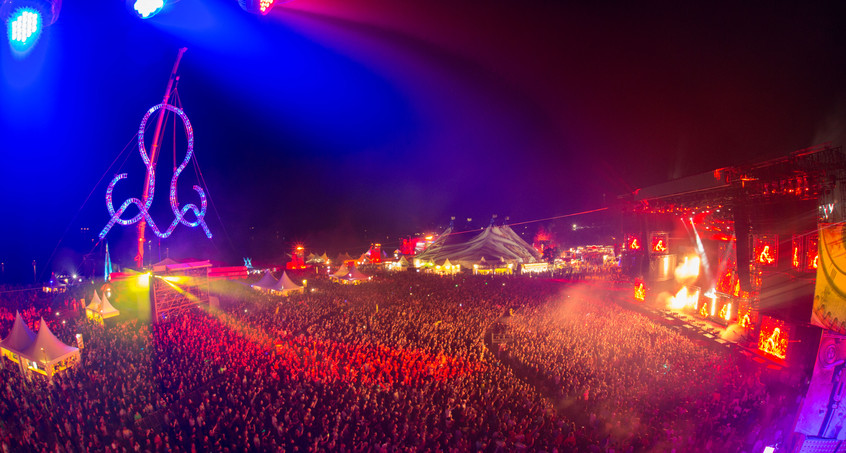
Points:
[(145, 9), (25, 19), (259, 6)]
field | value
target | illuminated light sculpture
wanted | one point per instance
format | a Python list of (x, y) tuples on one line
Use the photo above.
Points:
[(144, 208), (145, 9)]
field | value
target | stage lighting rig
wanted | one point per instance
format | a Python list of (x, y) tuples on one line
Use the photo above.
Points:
[(25, 19), (145, 9), (259, 6)]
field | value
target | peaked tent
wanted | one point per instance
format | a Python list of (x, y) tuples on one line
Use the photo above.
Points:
[(342, 271), (266, 282), (286, 286), (19, 339), (106, 309), (95, 302), (100, 308), (49, 352)]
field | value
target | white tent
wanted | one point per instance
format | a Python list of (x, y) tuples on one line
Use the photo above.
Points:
[(19, 338), (95, 302), (344, 270), (286, 286), (267, 281), (100, 308), (47, 354)]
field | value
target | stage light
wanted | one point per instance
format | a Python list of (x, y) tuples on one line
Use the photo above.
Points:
[(25, 20), (259, 6), (146, 9)]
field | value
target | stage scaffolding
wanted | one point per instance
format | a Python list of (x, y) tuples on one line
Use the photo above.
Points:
[(176, 288)]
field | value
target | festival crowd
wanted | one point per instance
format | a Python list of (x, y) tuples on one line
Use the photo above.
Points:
[(403, 363)]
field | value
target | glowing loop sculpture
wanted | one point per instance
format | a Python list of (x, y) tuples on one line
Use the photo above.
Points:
[(144, 208)]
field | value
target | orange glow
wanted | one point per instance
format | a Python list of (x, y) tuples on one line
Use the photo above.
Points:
[(765, 257), (634, 245), (640, 292), (688, 269), (796, 257), (816, 258), (684, 298), (659, 246), (704, 310)]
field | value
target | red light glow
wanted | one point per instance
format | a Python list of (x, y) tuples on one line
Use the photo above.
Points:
[(264, 5)]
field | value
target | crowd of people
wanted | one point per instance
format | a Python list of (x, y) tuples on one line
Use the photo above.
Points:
[(639, 383), (402, 363)]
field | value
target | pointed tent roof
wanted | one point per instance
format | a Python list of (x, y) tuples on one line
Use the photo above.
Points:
[(20, 337), (47, 347), (447, 263), (106, 308), (345, 257), (95, 302), (355, 274), (403, 262), (342, 271), (267, 281), (285, 283)]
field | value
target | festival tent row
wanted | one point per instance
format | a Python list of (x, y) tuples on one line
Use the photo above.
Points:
[(495, 244), (41, 353), (284, 285), (100, 309)]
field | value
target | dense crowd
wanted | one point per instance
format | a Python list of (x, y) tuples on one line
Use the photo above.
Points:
[(641, 384), (399, 364)]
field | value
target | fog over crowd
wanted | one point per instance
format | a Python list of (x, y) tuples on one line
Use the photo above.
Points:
[(403, 363)]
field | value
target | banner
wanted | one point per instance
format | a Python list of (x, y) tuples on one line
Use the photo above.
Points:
[(830, 292)]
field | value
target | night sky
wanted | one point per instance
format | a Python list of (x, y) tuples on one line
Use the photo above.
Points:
[(337, 123)]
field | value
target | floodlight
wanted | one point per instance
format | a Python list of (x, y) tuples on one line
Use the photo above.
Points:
[(25, 19), (145, 9)]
